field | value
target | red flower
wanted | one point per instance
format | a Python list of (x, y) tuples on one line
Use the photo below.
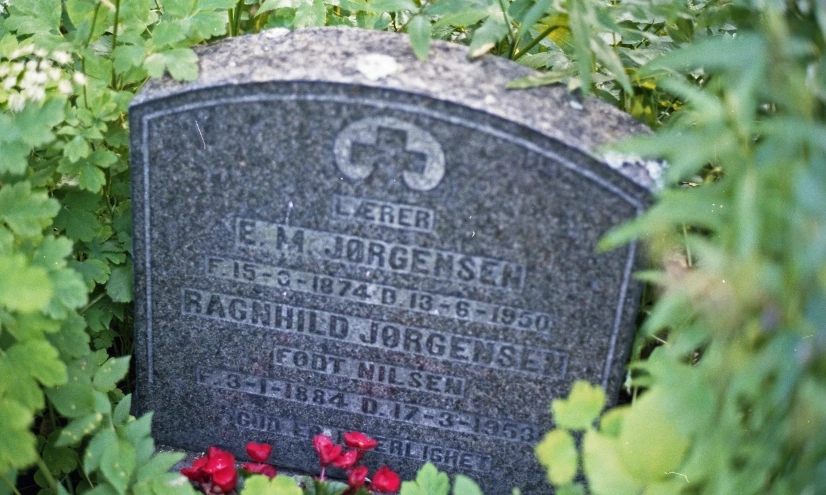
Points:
[(346, 460), (259, 451), (225, 479), (218, 460), (385, 481), (356, 478), (264, 469), (196, 472), (358, 440), (327, 452)]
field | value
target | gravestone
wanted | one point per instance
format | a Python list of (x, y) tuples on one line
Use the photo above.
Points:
[(331, 235)]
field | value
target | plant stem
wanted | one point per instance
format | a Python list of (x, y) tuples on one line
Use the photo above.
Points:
[(687, 248), (86, 44), (115, 37), (510, 28), (238, 8), (46, 473), (8, 482), (544, 34), (91, 303)]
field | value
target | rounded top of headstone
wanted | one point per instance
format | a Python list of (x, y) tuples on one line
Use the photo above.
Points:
[(385, 60)]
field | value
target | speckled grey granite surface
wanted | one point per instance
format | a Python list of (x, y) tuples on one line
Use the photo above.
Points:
[(331, 235)]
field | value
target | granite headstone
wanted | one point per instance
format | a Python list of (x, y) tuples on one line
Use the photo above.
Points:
[(331, 235)]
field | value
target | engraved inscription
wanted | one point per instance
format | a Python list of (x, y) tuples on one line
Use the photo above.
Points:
[(396, 376), (432, 417), (377, 294), (374, 142), (395, 215), (533, 360), (399, 258), (395, 446)]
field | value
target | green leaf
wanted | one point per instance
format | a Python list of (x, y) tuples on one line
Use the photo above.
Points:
[(182, 64), (557, 452), (76, 149), (270, 5), (127, 57), (77, 217), (98, 446), (488, 35), (72, 400), (26, 212), (111, 372), (52, 252), (14, 157), (419, 29), (280, 485), (603, 467), (119, 286), (170, 32), (69, 293), (463, 485), (78, 429), (121, 414), (23, 287), (381, 6), (571, 489), (160, 464), (118, 464), (429, 481), (209, 24), (93, 271), (18, 442), (41, 361), (310, 13), (581, 408), (34, 16)]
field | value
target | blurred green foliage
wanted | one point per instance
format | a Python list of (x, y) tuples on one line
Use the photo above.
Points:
[(734, 392)]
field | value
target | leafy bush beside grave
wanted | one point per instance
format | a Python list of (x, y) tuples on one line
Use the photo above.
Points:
[(735, 393)]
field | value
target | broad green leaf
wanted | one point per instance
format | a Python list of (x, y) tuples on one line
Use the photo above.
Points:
[(419, 30), (69, 293), (601, 459), (127, 57), (78, 429), (280, 485), (463, 485), (72, 400), (581, 408), (52, 252), (93, 271), (557, 452), (76, 149), (118, 464), (77, 216), (111, 372), (34, 16), (160, 464), (571, 489), (23, 287), (492, 31), (18, 442), (270, 5), (169, 33), (14, 157), (26, 212), (41, 361), (429, 481), (209, 24), (96, 449), (119, 286), (121, 414), (380, 6), (182, 64), (71, 341), (310, 13)]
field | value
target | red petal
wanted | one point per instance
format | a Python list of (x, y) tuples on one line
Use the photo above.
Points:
[(346, 460), (264, 469), (259, 451), (385, 481), (225, 479), (356, 478), (218, 461), (328, 454), (358, 440)]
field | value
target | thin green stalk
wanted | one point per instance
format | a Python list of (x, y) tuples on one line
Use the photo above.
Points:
[(238, 8), (86, 44), (8, 482), (47, 474), (544, 34), (91, 303), (115, 36), (510, 28), (687, 248), (158, 6)]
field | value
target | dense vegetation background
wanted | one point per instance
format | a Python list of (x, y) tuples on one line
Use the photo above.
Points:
[(729, 368)]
